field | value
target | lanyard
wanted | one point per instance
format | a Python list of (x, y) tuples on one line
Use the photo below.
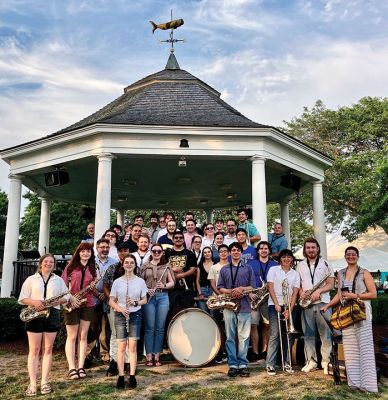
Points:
[(234, 278), (315, 267), (263, 273), (83, 270), (45, 283)]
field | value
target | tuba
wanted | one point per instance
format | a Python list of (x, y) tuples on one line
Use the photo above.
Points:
[(29, 313)]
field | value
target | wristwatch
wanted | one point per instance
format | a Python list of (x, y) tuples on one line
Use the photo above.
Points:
[(135, 303)]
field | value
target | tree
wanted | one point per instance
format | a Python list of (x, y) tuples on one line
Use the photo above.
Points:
[(66, 226), (356, 185)]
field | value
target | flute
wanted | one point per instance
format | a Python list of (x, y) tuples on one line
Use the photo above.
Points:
[(159, 280)]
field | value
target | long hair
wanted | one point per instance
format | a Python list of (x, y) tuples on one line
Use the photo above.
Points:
[(201, 261), (311, 240), (76, 260), (162, 260), (41, 259)]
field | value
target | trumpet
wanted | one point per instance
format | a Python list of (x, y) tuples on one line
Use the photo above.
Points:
[(289, 324)]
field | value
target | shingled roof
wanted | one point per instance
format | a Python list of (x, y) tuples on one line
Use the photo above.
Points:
[(171, 97)]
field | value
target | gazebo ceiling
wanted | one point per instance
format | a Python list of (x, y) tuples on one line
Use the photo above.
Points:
[(158, 183)]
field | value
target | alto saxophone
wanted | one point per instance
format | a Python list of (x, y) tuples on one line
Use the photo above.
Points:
[(226, 301), (82, 294), (306, 301), (262, 295), (29, 313)]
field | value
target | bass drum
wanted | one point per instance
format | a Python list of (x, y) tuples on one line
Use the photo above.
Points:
[(193, 337)]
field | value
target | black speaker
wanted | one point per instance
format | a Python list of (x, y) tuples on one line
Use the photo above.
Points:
[(56, 178), (290, 181)]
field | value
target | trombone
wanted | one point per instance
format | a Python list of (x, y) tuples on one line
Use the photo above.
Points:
[(289, 324)]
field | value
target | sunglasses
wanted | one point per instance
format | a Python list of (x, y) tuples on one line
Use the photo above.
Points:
[(157, 251), (210, 228)]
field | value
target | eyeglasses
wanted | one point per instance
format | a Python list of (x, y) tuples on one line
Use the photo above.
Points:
[(231, 226), (197, 242), (157, 251), (223, 251), (178, 237), (110, 235), (103, 247)]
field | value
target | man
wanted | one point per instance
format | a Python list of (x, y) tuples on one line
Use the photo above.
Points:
[(234, 279), (277, 240), (99, 325), (261, 265), (248, 252), (252, 232), (168, 216), (89, 237), (139, 220), (184, 266), (312, 270), (166, 240), (154, 228), (143, 253), (188, 216), (113, 272), (219, 224), (132, 242), (191, 231), (231, 227)]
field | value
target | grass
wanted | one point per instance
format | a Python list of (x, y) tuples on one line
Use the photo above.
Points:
[(172, 382)]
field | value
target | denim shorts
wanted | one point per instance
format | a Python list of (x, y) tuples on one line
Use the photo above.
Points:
[(128, 329)]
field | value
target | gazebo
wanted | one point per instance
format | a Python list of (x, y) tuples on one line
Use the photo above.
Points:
[(168, 142)]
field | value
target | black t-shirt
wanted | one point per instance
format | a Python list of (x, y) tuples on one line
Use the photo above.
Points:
[(131, 245), (183, 259)]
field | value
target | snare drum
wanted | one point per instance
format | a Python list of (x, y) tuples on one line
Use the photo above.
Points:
[(193, 337)]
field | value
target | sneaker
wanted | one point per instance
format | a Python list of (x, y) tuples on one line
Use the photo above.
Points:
[(270, 370), (263, 355), (244, 372), (112, 369), (120, 382), (253, 357), (233, 372), (218, 359), (288, 369), (325, 367), (309, 367), (132, 383)]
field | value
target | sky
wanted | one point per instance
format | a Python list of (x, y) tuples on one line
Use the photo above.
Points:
[(61, 60)]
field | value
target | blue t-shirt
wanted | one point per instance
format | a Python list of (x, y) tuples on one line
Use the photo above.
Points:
[(277, 243), (247, 256), (261, 269)]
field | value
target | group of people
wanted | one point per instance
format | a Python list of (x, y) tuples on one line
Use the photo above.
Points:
[(135, 282)]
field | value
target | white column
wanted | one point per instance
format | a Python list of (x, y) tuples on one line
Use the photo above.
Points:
[(259, 196), (319, 217), (11, 241), (120, 217), (44, 226), (209, 215), (285, 218), (103, 195)]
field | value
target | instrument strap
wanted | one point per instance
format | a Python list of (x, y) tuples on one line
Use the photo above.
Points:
[(234, 278), (315, 267), (354, 279), (45, 283), (83, 271), (263, 273)]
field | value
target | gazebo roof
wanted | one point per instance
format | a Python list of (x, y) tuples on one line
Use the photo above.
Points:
[(171, 97)]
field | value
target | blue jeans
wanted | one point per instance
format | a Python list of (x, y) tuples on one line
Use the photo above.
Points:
[(313, 321), (274, 338), (241, 324), (155, 314), (206, 291)]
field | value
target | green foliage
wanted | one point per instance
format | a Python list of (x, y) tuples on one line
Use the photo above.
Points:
[(11, 326), (355, 187), (66, 226), (380, 310)]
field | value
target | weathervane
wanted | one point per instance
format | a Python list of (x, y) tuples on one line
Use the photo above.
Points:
[(173, 24)]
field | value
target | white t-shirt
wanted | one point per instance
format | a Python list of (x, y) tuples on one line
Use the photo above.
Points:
[(322, 269), (214, 272), (206, 242), (134, 288), (276, 275), (229, 240)]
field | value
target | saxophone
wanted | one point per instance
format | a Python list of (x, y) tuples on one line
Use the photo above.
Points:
[(262, 296), (29, 313), (227, 302), (306, 301), (81, 295)]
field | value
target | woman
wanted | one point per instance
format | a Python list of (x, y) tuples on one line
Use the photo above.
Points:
[(128, 294), (208, 237), (202, 282), (80, 273), (218, 241), (278, 276), (43, 285), (159, 279), (355, 283), (196, 245)]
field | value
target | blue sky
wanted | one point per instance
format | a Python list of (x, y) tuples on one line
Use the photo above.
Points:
[(62, 60)]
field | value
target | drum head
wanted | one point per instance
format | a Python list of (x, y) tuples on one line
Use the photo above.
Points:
[(193, 337)]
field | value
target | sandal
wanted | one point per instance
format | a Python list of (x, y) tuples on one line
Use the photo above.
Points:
[(158, 363), (73, 374), (149, 363), (81, 373), (46, 388), (31, 391)]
